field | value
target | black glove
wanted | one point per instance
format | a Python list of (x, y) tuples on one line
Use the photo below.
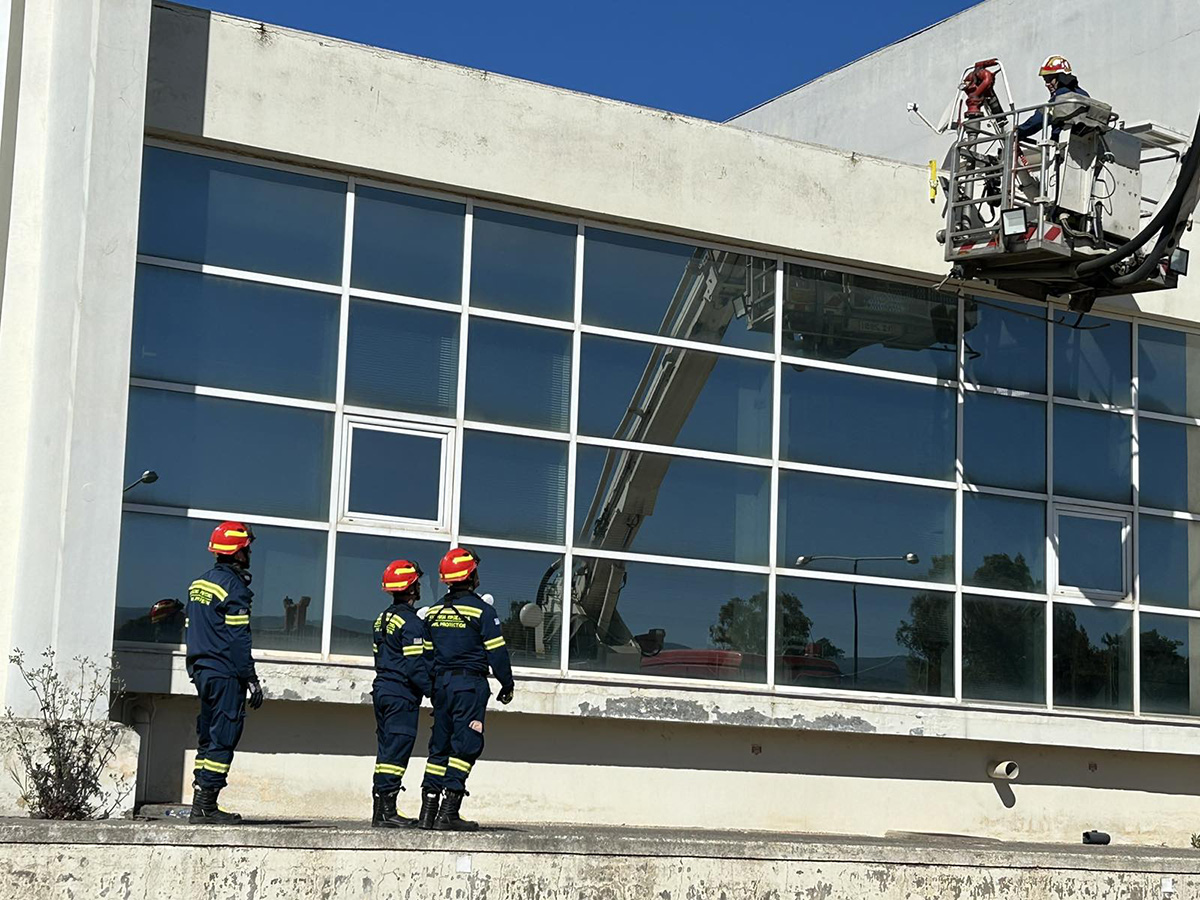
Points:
[(506, 694), (256, 695)]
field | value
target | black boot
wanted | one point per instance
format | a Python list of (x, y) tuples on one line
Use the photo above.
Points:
[(448, 818), (429, 808), (384, 815), (205, 810)]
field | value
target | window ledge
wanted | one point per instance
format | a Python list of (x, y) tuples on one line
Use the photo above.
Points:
[(152, 671)]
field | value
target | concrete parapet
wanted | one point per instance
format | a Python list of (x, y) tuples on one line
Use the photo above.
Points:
[(156, 859)]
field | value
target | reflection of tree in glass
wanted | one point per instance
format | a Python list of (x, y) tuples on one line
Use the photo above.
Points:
[(742, 625), (928, 633), (1164, 672), (999, 570), (996, 647), (1086, 674)]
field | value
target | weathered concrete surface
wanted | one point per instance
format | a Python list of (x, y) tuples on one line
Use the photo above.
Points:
[(141, 860), (118, 782), (160, 672)]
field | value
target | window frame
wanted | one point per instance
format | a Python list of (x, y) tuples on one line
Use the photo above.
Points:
[(444, 434), (1068, 591)]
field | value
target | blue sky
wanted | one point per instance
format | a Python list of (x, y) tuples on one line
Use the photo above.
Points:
[(695, 57)]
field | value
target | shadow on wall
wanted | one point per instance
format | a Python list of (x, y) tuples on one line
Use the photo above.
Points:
[(343, 731), (177, 76)]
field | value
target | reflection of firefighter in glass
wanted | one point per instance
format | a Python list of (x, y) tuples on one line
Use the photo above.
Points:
[(163, 624), (828, 315)]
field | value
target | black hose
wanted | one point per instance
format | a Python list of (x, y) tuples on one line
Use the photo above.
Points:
[(1166, 243), (1169, 209)]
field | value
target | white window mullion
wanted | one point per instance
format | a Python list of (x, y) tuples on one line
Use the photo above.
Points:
[(338, 466), (568, 569), (959, 478), (1051, 537), (1132, 553), (776, 437), (460, 408)]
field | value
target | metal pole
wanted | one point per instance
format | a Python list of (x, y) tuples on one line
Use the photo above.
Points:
[(854, 600)]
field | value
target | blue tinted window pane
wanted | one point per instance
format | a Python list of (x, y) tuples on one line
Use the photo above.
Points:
[(284, 341), (827, 515), (659, 287), (241, 216), (522, 264), (1168, 364), (1169, 568), (864, 637), (513, 487), (1004, 442), (1093, 364), (410, 245), (212, 453), (1004, 650), (671, 505), (1170, 455), (1092, 454), (672, 621), (1165, 647), (1004, 542), (1093, 657), (518, 374), (525, 588), (358, 596), (402, 357), (1091, 553), (162, 555), (395, 474), (869, 322), (859, 422), (668, 395), (1005, 345)]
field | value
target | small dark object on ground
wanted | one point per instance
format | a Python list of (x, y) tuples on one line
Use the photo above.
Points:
[(1096, 837)]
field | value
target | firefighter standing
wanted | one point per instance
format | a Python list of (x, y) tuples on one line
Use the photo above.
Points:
[(401, 679), (1056, 72), (220, 665), (463, 633)]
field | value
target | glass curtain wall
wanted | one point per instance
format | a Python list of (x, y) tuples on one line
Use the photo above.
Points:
[(675, 461)]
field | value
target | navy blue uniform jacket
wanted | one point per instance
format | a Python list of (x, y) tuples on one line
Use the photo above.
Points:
[(218, 624), (401, 663), (464, 634)]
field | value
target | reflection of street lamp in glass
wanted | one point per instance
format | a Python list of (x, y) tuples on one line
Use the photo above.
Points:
[(911, 558), (147, 477)]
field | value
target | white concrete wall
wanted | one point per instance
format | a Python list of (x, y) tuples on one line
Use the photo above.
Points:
[(315, 761), (73, 131), (1143, 58)]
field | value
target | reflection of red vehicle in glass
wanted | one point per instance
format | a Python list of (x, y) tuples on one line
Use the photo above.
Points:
[(793, 665)]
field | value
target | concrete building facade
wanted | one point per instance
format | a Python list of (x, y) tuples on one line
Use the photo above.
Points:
[(780, 535)]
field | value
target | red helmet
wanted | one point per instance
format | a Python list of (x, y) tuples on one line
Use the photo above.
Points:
[(400, 575), (457, 565), (230, 537), (163, 610), (1055, 65)]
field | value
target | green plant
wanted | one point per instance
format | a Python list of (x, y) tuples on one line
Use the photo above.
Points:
[(1196, 840), (62, 755)]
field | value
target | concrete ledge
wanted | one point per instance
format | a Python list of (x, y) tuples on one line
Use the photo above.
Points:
[(142, 860), (152, 671)]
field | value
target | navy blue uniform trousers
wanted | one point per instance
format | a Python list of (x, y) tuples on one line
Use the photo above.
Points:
[(219, 726), (396, 731), (454, 746)]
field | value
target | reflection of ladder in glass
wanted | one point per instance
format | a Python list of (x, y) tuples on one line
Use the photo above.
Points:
[(757, 303)]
